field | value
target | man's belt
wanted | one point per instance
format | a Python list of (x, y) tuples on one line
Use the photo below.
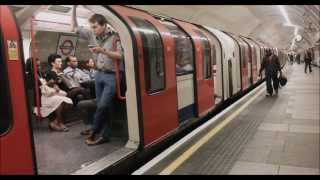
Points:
[(107, 71)]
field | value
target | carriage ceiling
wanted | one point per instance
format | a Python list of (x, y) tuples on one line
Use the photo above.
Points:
[(276, 25)]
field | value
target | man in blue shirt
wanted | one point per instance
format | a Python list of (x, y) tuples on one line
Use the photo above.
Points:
[(73, 71)]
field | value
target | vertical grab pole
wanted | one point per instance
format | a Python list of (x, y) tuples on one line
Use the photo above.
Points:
[(117, 71), (35, 67)]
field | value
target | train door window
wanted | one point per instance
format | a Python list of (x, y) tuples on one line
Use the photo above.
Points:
[(254, 60), (206, 55), (230, 77), (153, 55), (214, 59), (5, 103), (183, 49), (243, 54)]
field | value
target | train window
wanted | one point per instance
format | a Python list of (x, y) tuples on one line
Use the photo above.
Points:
[(5, 104), (214, 61), (206, 55), (254, 60), (153, 55), (183, 49), (243, 56)]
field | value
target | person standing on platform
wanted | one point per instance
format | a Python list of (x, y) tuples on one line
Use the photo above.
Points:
[(271, 65), (307, 61)]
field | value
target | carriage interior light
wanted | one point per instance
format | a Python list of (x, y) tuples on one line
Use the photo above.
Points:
[(59, 18)]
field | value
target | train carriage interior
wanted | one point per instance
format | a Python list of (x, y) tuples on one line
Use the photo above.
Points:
[(66, 152)]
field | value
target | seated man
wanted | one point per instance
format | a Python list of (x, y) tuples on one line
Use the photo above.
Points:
[(79, 75), (73, 71)]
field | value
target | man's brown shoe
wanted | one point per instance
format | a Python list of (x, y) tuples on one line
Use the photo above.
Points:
[(100, 140)]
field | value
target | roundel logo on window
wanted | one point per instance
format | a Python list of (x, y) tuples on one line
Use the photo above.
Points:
[(66, 47)]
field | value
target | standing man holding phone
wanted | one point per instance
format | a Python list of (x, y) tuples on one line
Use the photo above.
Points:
[(101, 43)]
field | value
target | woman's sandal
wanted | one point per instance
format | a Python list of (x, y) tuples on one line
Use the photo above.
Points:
[(64, 128), (54, 128)]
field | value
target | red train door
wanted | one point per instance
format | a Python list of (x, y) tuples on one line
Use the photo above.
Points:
[(204, 78), (250, 61), (156, 74), (16, 155)]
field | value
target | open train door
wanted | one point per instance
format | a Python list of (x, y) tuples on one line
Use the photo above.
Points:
[(16, 152)]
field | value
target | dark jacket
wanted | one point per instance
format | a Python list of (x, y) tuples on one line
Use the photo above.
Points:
[(271, 65), (308, 57)]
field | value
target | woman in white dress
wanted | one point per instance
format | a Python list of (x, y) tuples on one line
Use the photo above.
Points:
[(54, 100)]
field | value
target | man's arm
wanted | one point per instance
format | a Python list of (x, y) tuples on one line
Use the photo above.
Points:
[(84, 76), (74, 23), (115, 55), (83, 33), (278, 64)]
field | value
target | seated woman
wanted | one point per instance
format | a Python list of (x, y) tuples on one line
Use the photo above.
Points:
[(76, 93), (90, 68), (54, 102)]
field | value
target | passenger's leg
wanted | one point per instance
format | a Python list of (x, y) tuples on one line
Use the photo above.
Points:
[(109, 97), (88, 108), (56, 123), (98, 84), (60, 115), (104, 103), (99, 87), (53, 122), (78, 94), (269, 85), (275, 80), (305, 66), (310, 70)]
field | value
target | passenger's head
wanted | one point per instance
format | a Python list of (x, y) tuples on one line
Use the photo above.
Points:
[(268, 52), (72, 61), (38, 62), (55, 61), (89, 64), (98, 24)]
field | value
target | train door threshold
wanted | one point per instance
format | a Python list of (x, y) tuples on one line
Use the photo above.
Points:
[(105, 162)]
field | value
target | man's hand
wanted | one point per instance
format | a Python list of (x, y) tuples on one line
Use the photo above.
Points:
[(97, 49)]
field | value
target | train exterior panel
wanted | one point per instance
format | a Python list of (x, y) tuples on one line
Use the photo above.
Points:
[(16, 155)]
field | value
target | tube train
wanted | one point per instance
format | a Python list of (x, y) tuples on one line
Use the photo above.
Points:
[(176, 73)]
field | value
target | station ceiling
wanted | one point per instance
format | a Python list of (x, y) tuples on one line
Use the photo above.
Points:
[(276, 25)]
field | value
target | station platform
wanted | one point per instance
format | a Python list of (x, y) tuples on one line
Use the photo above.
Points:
[(256, 135)]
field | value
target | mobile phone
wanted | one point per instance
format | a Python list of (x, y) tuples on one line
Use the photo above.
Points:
[(91, 46)]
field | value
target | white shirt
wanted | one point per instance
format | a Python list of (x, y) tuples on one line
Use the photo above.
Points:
[(76, 74)]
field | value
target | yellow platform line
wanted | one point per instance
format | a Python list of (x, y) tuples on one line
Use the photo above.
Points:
[(187, 154)]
